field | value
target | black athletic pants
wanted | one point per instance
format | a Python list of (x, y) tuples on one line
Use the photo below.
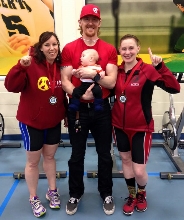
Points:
[(99, 123)]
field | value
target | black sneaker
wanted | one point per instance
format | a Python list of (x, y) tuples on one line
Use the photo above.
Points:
[(108, 205), (71, 206)]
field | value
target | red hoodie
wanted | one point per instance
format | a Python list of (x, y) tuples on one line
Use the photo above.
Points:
[(33, 83)]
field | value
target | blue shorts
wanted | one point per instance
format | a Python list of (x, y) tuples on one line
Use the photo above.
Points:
[(34, 139)]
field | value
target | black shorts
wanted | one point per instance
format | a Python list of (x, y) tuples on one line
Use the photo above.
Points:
[(139, 143), (34, 139)]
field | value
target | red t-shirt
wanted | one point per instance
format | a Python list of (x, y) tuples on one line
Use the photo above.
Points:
[(71, 55)]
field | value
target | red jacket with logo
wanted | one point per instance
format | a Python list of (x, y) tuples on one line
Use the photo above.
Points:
[(33, 83), (136, 113)]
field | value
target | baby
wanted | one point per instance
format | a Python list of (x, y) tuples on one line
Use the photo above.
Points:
[(89, 58)]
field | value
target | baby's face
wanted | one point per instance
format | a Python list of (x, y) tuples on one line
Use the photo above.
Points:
[(85, 59)]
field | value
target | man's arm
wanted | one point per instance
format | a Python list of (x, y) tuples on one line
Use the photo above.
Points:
[(66, 74), (68, 87), (109, 80)]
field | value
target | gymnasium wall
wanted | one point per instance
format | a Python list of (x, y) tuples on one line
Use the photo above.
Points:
[(66, 15)]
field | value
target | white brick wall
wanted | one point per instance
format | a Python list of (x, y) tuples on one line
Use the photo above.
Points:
[(63, 9), (160, 104), (8, 108), (67, 31)]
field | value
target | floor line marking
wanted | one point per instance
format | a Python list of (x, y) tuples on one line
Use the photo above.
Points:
[(8, 196), (6, 174)]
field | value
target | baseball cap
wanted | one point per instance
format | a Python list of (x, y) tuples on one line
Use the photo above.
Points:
[(90, 9)]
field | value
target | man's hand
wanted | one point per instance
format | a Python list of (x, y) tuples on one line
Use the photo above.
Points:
[(154, 58), (86, 73), (65, 122), (102, 74), (88, 94)]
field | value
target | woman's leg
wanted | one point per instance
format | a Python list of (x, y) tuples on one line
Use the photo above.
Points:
[(141, 144), (33, 143), (128, 207), (49, 164), (141, 177), (140, 153), (32, 172), (140, 173), (31, 176), (127, 164), (124, 147)]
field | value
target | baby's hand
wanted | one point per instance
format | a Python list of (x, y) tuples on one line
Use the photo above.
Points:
[(75, 73), (102, 74)]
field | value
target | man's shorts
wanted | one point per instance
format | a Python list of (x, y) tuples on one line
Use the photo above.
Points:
[(34, 139)]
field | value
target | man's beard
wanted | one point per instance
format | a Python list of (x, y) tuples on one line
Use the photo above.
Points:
[(90, 34)]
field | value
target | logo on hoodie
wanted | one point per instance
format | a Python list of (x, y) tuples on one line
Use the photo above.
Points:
[(43, 83)]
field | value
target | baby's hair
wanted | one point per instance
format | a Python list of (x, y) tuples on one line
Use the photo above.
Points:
[(94, 52)]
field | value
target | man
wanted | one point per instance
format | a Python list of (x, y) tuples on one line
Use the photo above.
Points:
[(99, 123)]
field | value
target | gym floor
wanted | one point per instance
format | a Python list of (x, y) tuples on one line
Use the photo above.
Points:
[(165, 197)]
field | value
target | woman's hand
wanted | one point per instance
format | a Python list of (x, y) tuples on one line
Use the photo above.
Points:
[(25, 61), (154, 58)]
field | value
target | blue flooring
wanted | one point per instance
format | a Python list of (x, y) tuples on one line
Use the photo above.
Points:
[(165, 197)]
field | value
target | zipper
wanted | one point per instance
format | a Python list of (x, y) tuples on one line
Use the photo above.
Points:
[(124, 105)]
